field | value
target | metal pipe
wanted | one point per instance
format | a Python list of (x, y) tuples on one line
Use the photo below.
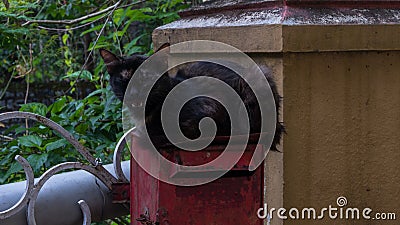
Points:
[(57, 202)]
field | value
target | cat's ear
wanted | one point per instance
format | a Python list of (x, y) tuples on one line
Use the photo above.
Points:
[(165, 45), (108, 56)]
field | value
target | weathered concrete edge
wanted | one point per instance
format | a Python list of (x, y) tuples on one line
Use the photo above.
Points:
[(317, 38), (259, 38), (290, 38)]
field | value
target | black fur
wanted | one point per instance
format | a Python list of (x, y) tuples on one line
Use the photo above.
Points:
[(196, 108)]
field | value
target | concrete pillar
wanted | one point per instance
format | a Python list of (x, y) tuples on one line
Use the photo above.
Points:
[(338, 68)]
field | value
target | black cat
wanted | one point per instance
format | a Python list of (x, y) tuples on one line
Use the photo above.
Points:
[(121, 69)]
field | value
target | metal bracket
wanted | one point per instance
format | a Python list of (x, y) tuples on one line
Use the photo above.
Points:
[(144, 218), (162, 216)]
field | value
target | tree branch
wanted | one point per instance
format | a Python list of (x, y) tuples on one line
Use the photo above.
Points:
[(80, 19), (71, 28), (6, 4), (94, 45)]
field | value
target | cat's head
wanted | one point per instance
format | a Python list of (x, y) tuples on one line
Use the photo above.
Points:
[(121, 70)]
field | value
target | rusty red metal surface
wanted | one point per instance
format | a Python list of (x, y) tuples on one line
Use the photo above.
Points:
[(121, 192), (231, 199)]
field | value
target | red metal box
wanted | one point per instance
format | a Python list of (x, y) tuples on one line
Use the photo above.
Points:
[(232, 199)]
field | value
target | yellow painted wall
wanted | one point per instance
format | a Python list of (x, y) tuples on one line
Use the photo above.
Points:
[(342, 112)]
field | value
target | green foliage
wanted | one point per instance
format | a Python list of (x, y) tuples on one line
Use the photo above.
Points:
[(59, 53), (94, 121), (131, 29), (43, 52)]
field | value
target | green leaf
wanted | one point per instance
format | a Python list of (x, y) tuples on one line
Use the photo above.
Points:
[(103, 42), (57, 106), (135, 49), (94, 119), (85, 75), (15, 167), (131, 44), (146, 9), (37, 108), (92, 19), (82, 128), (65, 38), (56, 144), (37, 161), (119, 16), (30, 141), (137, 15), (10, 156), (99, 91), (96, 28)]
